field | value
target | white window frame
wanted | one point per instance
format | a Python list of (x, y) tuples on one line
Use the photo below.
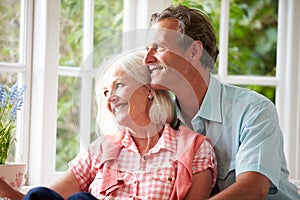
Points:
[(23, 68), (44, 92), (45, 72)]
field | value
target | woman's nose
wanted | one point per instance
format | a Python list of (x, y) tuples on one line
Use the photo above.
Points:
[(111, 97)]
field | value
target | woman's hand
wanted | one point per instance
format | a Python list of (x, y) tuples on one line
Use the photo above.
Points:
[(9, 192)]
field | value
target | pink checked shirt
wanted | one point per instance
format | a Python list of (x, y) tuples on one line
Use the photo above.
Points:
[(113, 167)]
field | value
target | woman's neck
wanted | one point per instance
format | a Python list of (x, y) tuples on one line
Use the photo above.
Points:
[(147, 139)]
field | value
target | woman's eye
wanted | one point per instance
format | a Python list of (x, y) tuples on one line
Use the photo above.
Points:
[(105, 92), (119, 85)]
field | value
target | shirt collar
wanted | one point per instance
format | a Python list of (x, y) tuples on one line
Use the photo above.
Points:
[(166, 141), (211, 105)]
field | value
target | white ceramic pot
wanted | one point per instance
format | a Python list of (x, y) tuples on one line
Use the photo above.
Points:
[(14, 174)]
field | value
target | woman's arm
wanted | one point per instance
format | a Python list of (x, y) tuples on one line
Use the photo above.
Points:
[(201, 186), (9, 192), (66, 185)]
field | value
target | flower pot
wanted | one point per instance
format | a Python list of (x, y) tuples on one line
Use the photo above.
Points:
[(14, 174)]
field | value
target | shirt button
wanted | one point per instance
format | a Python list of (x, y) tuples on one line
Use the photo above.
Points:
[(170, 178)]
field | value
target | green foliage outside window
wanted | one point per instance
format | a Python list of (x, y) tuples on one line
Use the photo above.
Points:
[(9, 30)]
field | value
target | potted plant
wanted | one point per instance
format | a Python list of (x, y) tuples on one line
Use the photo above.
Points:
[(11, 100)]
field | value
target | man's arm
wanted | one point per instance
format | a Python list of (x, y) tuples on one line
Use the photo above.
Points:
[(9, 192), (248, 185)]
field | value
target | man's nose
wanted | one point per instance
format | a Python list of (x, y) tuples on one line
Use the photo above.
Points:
[(150, 56)]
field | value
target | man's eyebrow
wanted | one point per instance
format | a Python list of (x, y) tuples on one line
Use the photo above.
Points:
[(157, 43)]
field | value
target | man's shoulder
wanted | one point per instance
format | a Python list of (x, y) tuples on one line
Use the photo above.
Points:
[(243, 95)]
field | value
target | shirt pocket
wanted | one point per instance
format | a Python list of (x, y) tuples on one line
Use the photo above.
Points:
[(164, 179), (109, 180)]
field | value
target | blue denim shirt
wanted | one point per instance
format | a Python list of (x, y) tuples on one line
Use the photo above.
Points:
[(244, 128)]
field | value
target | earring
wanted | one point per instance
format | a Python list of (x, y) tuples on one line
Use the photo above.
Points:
[(150, 97)]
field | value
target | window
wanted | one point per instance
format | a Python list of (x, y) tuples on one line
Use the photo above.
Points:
[(15, 61), (49, 58)]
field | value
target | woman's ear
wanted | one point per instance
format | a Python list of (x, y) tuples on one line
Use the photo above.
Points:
[(151, 93)]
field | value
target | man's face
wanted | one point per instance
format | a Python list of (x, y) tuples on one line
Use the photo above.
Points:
[(167, 61)]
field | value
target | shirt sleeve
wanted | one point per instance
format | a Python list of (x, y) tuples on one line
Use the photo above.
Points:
[(260, 139), (84, 166), (205, 158)]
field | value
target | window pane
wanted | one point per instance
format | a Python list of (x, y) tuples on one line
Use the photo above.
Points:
[(252, 37), (71, 32), (68, 120), (107, 20), (9, 79), (67, 143), (9, 30)]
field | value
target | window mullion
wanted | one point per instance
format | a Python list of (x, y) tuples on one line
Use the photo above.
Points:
[(86, 81), (224, 28), (44, 91), (25, 49)]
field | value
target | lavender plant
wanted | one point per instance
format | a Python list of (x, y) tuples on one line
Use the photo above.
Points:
[(11, 100)]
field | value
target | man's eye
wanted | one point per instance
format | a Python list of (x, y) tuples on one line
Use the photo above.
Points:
[(156, 47), (160, 48)]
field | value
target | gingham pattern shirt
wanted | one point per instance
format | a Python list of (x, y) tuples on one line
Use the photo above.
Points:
[(135, 176)]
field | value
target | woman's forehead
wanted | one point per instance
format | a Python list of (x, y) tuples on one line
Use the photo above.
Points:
[(112, 73)]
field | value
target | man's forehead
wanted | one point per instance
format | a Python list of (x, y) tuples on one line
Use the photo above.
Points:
[(161, 33), (164, 36)]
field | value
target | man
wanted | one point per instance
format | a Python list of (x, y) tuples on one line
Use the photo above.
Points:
[(243, 125)]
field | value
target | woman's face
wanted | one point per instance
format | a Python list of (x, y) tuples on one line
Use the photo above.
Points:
[(125, 98)]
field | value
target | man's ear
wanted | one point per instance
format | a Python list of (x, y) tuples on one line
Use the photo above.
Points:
[(196, 49)]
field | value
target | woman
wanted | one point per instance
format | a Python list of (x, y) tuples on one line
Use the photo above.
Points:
[(146, 158)]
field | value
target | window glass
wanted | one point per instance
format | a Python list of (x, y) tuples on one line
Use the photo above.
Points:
[(71, 33), (9, 79), (252, 37), (107, 20), (9, 30), (67, 143)]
